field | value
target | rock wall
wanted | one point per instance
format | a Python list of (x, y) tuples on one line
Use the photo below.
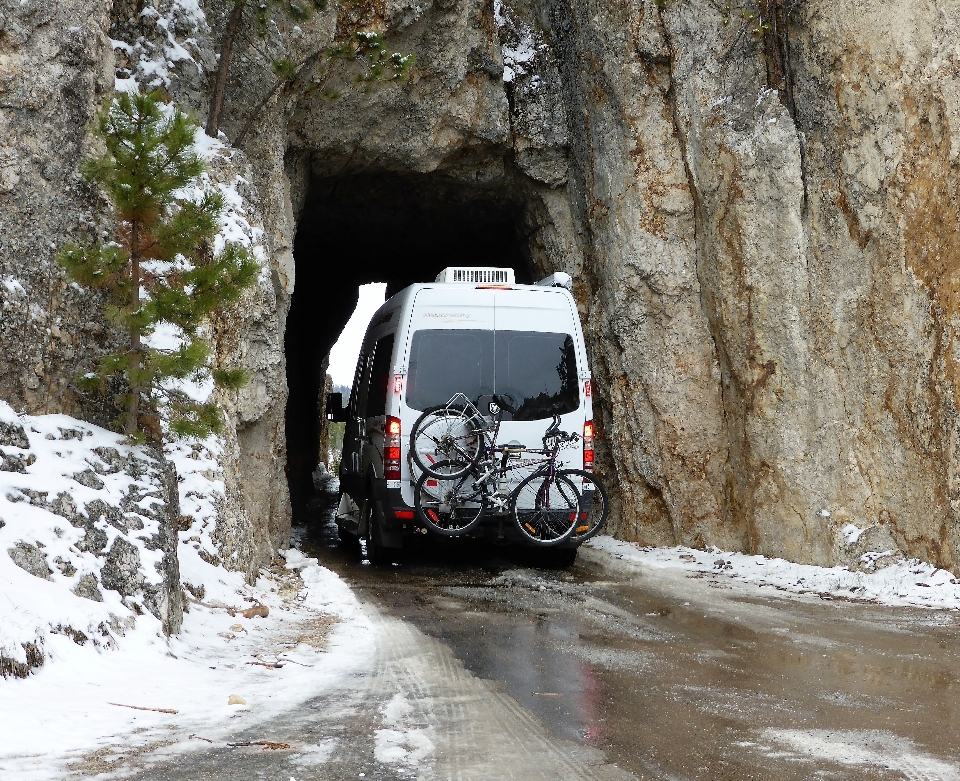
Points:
[(55, 69), (783, 364), (760, 215)]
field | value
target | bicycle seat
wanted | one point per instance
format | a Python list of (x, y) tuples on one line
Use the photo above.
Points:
[(513, 445)]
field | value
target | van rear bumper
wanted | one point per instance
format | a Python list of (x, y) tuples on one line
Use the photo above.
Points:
[(396, 511), (399, 515)]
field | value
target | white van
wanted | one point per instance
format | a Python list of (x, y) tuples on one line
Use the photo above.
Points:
[(473, 331)]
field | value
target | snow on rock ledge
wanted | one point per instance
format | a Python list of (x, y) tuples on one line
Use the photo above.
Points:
[(87, 547)]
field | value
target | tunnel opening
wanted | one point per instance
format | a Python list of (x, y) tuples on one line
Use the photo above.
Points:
[(392, 228)]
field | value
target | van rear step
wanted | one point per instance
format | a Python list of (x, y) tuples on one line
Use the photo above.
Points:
[(348, 510)]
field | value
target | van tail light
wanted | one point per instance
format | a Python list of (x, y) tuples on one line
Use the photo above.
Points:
[(588, 446), (391, 449)]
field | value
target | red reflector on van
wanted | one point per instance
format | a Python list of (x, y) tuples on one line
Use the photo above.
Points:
[(398, 385), (587, 388), (494, 287), (405, 515)]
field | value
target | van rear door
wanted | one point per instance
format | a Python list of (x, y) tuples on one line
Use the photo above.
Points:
[(531, 345), (449, 349)]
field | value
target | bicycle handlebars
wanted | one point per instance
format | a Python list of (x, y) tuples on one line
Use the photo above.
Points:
[(503, 403)]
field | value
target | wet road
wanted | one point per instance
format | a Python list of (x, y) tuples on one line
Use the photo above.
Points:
[(494, 669)]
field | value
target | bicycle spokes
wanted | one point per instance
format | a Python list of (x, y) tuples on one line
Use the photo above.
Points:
[(449, 505), (546, 509)]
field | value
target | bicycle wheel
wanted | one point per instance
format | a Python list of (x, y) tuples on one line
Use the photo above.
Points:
[(546, 509), (448, 434), (449, 504), (594, 505)]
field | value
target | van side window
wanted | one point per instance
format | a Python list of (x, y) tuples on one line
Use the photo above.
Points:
[(363, 386), (380, 377)]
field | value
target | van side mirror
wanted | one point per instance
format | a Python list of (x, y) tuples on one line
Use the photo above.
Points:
[(335, 411)]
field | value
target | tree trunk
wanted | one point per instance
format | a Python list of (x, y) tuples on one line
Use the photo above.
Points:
[(291, 82), (256, 113), (130, 424), (219, 91)]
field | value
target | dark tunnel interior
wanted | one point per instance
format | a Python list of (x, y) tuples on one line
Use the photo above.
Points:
[(391, 228)]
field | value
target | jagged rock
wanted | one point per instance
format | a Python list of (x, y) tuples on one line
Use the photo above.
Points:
[(66, 567), (121, 570), (88, 588), (30, 558), (13, 435), (74, 634), (198, 592), (11, 462), (89, 478), (17, 669)]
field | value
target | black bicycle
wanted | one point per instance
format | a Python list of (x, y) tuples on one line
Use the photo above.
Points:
[(454, 494)]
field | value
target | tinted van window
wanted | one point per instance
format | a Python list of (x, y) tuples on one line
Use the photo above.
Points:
[(445, 362), (380, 377), (539, 370)]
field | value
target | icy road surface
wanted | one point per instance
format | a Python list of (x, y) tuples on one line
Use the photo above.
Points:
[(487, 668)]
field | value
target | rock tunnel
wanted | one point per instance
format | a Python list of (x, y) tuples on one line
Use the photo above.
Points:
[(387, 227)]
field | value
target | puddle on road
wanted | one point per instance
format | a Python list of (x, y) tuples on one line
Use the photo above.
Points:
[(667, 687), (451, 592)]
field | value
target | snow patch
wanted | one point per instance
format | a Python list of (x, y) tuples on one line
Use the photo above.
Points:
[(56, 471), (902, 583), (870, 748), (519, 43), (851, 534), (400, 742), (87, 700), (152, 65)]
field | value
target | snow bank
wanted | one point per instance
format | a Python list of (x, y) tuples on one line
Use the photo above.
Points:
[(152, 698), (903, 583), (85, 552)]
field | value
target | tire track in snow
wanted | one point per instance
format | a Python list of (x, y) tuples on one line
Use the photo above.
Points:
[(479, 733)]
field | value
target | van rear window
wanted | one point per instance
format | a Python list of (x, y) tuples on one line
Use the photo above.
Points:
[(538, 369)]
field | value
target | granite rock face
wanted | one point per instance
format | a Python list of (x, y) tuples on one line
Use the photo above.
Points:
[(760, 217), (55, 69)]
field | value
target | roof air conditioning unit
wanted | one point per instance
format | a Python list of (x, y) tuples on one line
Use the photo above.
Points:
[(477, 275)]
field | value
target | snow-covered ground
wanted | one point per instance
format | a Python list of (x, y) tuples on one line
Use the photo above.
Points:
[(222, 674), (901, 583), (111, 682)]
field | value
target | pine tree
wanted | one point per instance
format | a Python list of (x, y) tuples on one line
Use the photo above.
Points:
[(161, 268)]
